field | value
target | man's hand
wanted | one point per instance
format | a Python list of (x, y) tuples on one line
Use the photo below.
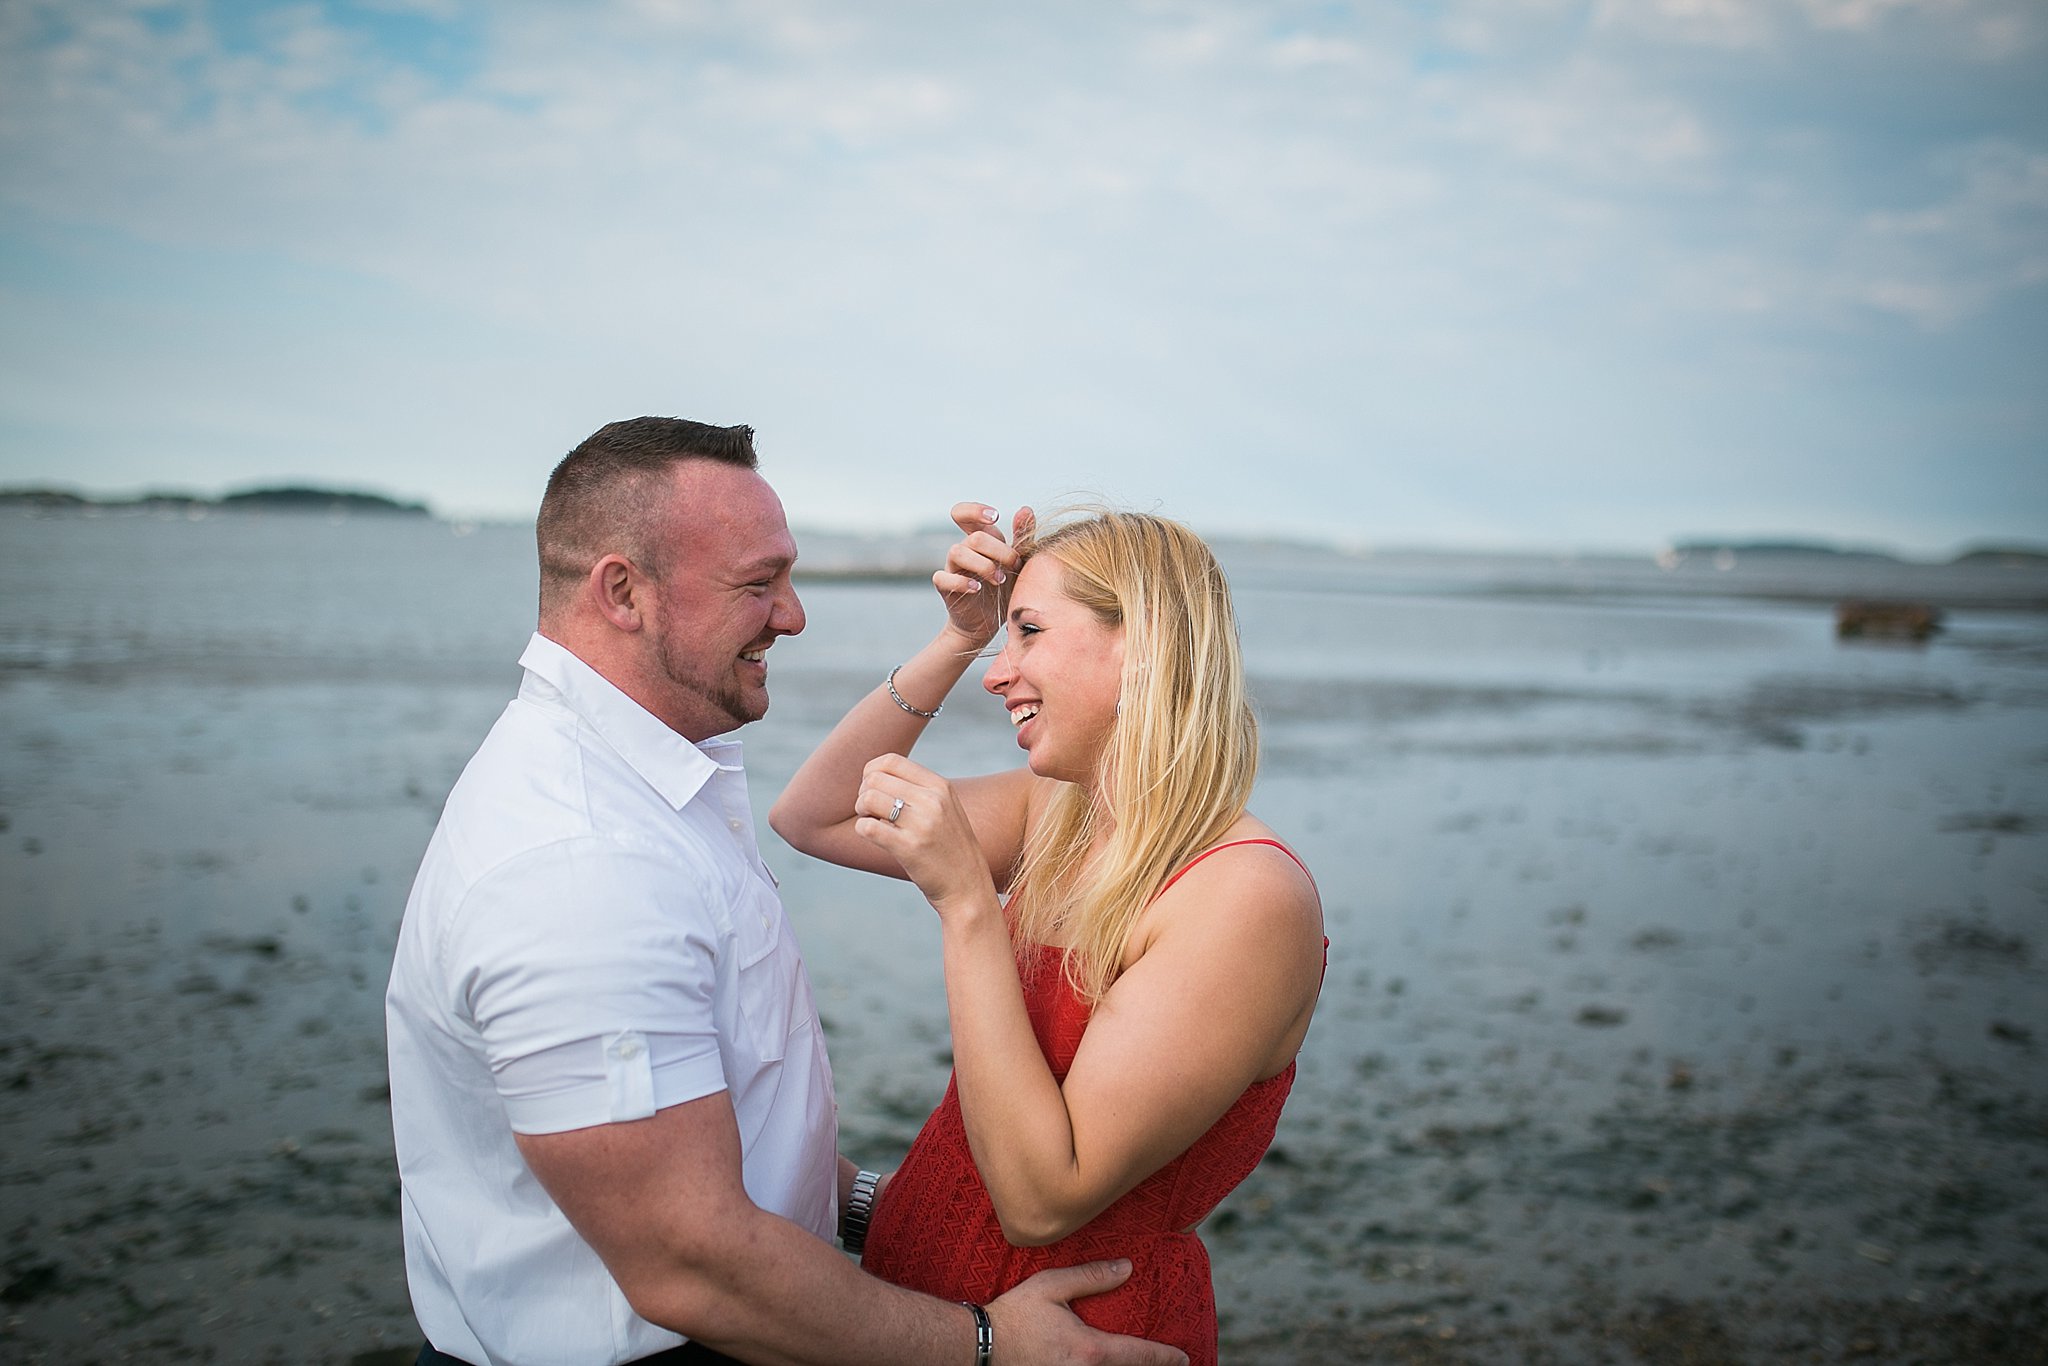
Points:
[(1034, 1325)]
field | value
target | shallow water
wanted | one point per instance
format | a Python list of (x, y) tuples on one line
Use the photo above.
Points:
[(1686, 980)]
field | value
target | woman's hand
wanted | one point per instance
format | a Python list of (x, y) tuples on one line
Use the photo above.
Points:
[(977, 568), (912, 814)]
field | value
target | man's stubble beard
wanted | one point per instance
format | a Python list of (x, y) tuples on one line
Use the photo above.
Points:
[(726, 696)]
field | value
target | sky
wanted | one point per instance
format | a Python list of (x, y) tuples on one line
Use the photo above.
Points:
[(1569, 274)]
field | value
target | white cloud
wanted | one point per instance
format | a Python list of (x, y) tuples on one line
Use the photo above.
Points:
[(1991, 29), (1864, 14), (1942, 262), (1590, 123), (1126, 233)]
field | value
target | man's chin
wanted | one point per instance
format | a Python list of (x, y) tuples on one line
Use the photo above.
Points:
[(748, 708), (736, 711)]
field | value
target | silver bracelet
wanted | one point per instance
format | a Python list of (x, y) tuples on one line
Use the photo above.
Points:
[(853, 1225), (914, 711), (984, 1334)]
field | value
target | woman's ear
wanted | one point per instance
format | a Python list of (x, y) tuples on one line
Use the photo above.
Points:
[(616, 586)]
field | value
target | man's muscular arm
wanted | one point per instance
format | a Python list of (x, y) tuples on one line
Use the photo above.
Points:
[(662, 1202)]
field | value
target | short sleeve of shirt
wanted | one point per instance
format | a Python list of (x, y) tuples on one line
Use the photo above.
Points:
[(588, 968)]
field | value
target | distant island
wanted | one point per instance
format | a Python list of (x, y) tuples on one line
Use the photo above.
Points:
[(2006, 556), (289, 498), (1817, 548)]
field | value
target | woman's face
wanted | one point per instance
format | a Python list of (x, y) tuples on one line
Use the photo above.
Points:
[(1059, 675)]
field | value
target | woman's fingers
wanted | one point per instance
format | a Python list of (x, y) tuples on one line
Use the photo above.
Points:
[(912, 814), (973, 517), (901, 823), (880, 805), (979, 560), (891, 778), (946, 581), (983, 555), (900, 766), (883, 785)]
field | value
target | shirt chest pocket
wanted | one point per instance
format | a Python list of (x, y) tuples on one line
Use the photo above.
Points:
[(771, 991)]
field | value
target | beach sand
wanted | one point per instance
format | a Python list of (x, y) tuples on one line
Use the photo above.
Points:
[(1685, 1003)]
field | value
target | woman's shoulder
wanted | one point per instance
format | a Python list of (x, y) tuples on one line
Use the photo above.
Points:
[(1250, 883), (1250, 848)]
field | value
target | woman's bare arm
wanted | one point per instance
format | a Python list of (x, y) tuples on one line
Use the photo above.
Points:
[(1227, 967), (815, 812), (1219, 999)]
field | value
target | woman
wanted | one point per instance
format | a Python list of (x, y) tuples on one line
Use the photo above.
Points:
[(1131, 957)]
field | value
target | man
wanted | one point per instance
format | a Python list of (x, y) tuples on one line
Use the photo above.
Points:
[(613, 1112)]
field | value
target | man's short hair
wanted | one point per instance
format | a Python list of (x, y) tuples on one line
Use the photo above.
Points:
[(606, 496)]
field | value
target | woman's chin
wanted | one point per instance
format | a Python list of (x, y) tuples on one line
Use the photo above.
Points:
[(1044, 767)]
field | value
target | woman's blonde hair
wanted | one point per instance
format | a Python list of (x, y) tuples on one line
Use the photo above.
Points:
[(1181, 757)]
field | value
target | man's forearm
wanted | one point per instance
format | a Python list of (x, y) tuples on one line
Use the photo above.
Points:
[(774, 1295)]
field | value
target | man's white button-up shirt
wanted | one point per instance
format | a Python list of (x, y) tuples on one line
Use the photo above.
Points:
[(592, 937)]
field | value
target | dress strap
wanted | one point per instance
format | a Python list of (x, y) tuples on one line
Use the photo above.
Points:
[(1217, 849), (1277, 845)]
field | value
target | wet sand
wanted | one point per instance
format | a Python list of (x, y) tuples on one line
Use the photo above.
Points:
[(1686, 994)]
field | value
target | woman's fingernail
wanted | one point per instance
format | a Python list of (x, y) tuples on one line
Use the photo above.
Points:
[(999, 576), (990, 514)]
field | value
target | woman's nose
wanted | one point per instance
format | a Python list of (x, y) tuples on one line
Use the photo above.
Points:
[(999, 675)]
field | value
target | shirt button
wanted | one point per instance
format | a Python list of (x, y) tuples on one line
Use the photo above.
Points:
[(737, 826), (629, 1049)]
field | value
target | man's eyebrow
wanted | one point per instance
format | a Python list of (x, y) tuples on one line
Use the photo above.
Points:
[(768, 564)]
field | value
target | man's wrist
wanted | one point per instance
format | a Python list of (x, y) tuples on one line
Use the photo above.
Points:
[(860, 1204), (984, 1334)]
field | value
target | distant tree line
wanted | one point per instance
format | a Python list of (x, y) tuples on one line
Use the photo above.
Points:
[(2015, 555), (284, 498)]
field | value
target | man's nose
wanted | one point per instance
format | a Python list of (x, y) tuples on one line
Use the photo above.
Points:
[(788, 617)]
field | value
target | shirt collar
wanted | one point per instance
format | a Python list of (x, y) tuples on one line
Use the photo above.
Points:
[(671, 764)]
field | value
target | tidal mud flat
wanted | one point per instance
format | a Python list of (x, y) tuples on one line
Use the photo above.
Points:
[(1685, 998)]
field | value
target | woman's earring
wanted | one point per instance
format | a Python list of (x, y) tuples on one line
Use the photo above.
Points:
[(1119, 708)]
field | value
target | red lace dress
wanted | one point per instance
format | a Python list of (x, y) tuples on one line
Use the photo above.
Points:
[(935, 1228)]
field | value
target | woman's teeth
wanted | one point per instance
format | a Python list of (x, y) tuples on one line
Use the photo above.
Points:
[(1022, 714)]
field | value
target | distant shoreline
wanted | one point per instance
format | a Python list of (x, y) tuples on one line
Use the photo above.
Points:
[(294, 498), (866, 557), (1976, 554)]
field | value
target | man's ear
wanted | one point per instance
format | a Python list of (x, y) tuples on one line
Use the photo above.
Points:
[(616, 585)]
